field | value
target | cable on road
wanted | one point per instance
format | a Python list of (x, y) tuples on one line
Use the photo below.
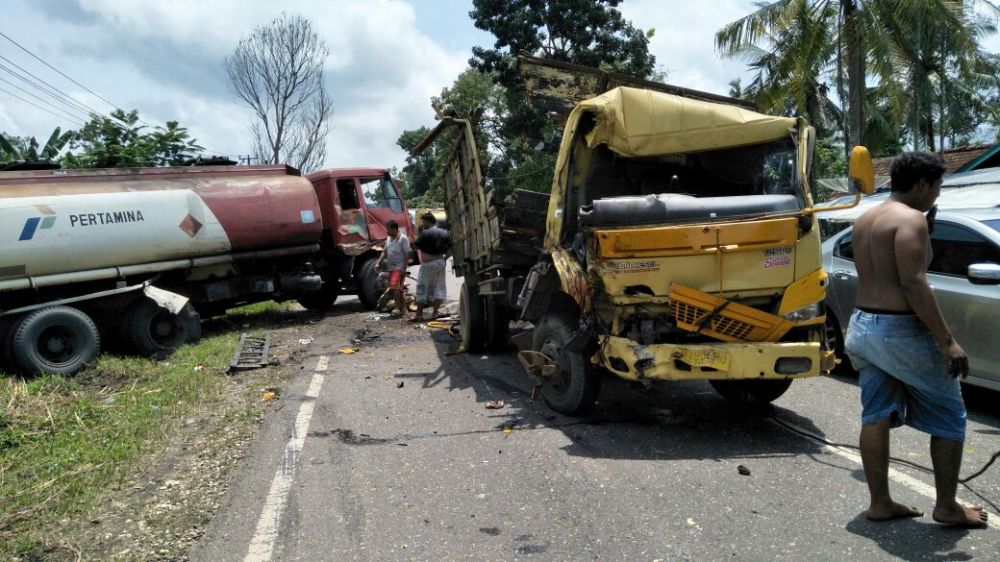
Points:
[(928, 470)]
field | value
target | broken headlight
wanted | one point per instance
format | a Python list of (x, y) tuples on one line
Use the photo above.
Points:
[(805, 313)]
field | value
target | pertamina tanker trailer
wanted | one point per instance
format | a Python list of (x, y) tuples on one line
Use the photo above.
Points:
[(136, 254)]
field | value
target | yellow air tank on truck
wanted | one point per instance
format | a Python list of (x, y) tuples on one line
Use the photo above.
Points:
[(680, 243)]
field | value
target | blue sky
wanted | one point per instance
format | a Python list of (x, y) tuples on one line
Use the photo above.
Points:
[(387, 59)]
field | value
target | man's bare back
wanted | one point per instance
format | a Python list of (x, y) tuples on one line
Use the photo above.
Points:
[(875, 254)]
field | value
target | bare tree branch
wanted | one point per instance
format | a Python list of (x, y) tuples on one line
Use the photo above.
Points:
[(277, 71)]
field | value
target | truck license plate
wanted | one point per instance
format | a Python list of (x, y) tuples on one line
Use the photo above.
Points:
[(714, 358)]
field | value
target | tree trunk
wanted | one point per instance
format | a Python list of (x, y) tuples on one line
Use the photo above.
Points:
[(854, 43)]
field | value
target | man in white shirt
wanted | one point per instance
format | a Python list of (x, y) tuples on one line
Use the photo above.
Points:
[(395, 256)]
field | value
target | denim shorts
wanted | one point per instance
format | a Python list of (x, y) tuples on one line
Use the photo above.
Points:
[(903, 376)]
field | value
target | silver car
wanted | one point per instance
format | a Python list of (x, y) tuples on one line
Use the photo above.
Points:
[(965, 276)]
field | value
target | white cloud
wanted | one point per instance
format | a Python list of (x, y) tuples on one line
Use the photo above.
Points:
[(684, 42), (165, 59)]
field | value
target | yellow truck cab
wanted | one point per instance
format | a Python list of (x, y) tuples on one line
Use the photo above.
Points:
[(679, 243)]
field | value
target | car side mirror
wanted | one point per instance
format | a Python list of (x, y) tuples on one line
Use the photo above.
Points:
[(984, 274), (861, 171)]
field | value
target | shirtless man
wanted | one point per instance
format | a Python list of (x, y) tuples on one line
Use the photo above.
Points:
[(909, 363)]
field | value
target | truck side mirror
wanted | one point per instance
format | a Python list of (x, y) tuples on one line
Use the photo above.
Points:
[(860, 170)]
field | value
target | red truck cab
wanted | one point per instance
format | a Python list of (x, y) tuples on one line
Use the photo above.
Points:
[(356, 204)]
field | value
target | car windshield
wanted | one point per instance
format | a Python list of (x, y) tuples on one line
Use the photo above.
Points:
[(994, 224)]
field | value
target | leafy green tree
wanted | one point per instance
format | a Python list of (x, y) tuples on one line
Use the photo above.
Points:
[(119, 141), (591, 33), (420, 169), (473, 95)]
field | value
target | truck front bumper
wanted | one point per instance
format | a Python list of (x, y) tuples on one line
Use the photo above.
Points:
[(630, 360)]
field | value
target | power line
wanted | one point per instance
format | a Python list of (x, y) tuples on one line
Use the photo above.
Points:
[(51, 88), (39, 59), (24, 91), (64, 75), (39, 107)]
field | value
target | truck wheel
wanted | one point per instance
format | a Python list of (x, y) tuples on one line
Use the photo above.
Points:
[(497, 326), (321, 299), (574, 388), (751, 391), (156, 332), (59, 340), (369, 289), (472, 319)]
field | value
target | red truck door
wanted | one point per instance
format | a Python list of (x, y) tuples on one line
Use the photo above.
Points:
[(382, 204), (350, 225)]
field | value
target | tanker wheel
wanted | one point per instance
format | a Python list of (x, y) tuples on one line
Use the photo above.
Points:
[(497, 325), (369, 288), (751, 391), (472, 318), (58, 340), (573, 389), (154, 331), (321, 299)]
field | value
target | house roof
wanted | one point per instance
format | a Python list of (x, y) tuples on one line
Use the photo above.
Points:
[(954, 158)]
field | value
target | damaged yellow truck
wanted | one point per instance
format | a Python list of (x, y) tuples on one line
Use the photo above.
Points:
[(678, 242)]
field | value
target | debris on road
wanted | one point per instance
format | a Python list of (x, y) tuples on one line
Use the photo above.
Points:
[(495, 404), (306, 341), (251, 353), (457, 351), (347, 350), (743, 470), (364, 336), (400, 385)]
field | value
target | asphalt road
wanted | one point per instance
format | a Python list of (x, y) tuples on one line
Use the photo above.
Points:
[(390, 454)]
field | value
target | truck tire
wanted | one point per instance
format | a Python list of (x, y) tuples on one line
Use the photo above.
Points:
[(58, 340), (154, 331), (497, 325), (368, 284), (472, 319), (574, 388), (321, 299), (751, 391)]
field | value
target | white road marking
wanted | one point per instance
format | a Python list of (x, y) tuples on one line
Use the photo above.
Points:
[(910, 482), (264, 537)]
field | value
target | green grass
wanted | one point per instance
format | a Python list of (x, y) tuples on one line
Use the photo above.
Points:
[(67, 442)]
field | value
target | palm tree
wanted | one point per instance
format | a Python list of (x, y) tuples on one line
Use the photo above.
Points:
[(936, 66), (790, 70), (867, 41)]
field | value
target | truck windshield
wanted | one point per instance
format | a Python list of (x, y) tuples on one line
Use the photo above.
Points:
[(764, 169), (381, 194)]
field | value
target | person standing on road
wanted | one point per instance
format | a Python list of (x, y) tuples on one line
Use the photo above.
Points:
[(395, 256), (908, 360), (434, 245)]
